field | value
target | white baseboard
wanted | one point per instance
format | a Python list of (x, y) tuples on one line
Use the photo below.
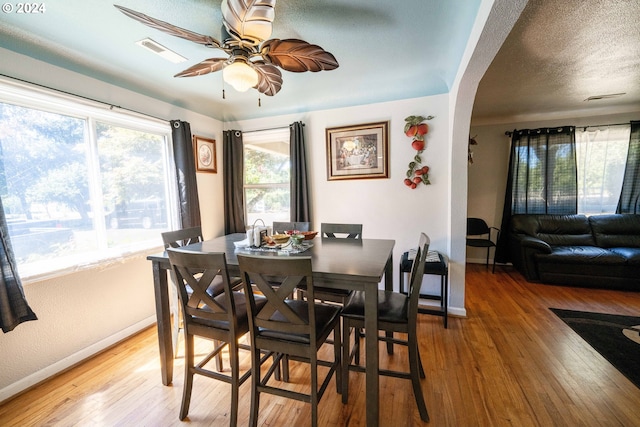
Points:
[(457, 312), (452, 311), (66, 363)]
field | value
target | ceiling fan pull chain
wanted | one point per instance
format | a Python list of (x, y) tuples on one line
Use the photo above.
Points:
[(224, 96)]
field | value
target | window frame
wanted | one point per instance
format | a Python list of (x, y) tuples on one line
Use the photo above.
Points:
[(253, 137), (31, 96)]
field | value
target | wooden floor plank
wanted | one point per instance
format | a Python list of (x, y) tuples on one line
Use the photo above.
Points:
[(511, 362)]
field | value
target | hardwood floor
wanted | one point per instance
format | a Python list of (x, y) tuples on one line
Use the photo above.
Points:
[(511, 362)]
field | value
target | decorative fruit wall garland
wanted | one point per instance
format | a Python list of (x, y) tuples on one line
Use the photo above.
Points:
[(417, 173)]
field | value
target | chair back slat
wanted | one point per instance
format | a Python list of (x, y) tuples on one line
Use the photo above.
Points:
[(183, 237), (349, 231), (277, 297), (200, 272), (280, 313)]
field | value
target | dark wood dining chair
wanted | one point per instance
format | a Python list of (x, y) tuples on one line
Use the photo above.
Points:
[(290, 328), (283, 227), (397, 313), (217, 315), (178, 239), (335, 231)]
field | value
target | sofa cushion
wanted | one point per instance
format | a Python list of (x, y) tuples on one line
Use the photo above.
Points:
[(556, 230), (617, 230), (590, 255), (632, 255)]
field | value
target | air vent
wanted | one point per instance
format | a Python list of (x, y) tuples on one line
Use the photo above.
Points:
[(160, 50), (608, 96)]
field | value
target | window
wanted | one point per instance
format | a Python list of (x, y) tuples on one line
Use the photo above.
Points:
[(267, 176), (544, 171), (80, 184), (601, 155), (561, 170)]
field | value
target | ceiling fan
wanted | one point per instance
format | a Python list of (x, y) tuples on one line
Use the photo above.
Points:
[(253, 59)]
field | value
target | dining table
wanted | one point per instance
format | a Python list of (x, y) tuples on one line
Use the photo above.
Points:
[(352, 264)]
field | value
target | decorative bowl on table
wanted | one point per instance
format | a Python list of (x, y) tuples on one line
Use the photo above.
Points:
[(280, 239), (309, 235), (296, 239)]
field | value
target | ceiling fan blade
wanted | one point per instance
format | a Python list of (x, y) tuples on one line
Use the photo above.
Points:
[(205, 67), (248, 20), (270, 78), (298, 55), (169, 28)]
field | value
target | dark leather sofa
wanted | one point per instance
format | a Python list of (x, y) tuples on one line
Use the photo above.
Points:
[(600, 251)]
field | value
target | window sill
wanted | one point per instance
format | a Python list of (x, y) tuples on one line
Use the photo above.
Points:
[(44, 271)]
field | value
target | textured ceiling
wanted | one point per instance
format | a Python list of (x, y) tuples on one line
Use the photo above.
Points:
[(386, 50), (558, 54)]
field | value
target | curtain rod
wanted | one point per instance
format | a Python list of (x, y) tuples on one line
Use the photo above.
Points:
[(111, 106), (509, 133), (273, 128)]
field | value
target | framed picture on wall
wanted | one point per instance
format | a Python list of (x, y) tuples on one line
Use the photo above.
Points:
[(358, 151), (204, 150)]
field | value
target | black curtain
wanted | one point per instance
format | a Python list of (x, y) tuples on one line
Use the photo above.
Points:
[(300, 209), (542, 177), (14, 308), (186, 174), (233, 155), (629, 202)]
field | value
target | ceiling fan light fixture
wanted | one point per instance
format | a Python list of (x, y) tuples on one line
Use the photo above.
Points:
[(246, 27), (240, 76)]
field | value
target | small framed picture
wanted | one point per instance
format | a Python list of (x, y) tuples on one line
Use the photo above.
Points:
[(358, 152), (204, 150)]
